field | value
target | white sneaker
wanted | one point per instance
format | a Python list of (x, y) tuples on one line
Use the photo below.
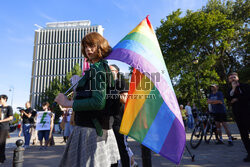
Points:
[(134, 164)]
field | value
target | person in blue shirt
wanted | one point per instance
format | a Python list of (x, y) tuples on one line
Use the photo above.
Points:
[(216, 99)]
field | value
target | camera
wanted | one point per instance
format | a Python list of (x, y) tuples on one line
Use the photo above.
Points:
[(20, 109)]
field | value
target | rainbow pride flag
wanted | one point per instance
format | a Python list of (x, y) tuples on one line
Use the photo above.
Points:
[(152, 115)]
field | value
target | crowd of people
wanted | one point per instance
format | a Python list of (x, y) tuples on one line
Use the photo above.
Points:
[(188, 115), (239, 98), (90, 121)]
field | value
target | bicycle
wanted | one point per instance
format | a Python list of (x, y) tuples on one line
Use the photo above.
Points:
[(210, 129), (198, 131)]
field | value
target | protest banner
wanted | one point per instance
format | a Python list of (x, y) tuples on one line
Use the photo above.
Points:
[(43, 120)]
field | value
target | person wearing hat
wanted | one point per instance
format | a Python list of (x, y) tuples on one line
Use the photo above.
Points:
[(239, 97), (216, 99)]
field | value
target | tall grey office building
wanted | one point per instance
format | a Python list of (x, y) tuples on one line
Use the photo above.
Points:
[(57, 48)]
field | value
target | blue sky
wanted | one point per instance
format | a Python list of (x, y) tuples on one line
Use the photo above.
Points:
[(17, 19)]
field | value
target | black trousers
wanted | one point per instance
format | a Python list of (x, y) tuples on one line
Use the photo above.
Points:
[(3, 136), (244, 133), (122, 145), (243, 123), (146, 156)]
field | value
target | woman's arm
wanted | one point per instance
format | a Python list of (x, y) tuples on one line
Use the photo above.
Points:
[(72, 121), (51, 125), (98, 99), (214, 102), (98, 89)]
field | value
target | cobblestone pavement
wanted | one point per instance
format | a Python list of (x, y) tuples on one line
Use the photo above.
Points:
[(207, 155)]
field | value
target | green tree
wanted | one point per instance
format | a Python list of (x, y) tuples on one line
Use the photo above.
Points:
[(54, 88), (57, 87), (49, 95), (130, 68), (75, 71), (235, 57), (214, 37)]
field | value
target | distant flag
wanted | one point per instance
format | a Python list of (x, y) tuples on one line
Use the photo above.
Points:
[(85, 66), (152, 115), (75, 78)]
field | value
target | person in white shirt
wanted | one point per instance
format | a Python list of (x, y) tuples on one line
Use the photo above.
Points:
[(190, 121), (67, 112)]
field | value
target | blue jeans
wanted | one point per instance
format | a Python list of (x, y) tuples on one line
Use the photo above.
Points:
[(43, 134), (26, 134), (190, 121), (68, 129)]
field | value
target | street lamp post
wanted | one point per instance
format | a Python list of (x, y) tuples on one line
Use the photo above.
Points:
[(196, 76), (12, 90)]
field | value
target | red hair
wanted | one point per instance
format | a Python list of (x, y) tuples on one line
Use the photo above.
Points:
[(95, 39)]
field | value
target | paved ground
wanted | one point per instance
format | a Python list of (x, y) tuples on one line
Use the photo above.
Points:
[(208, 155)]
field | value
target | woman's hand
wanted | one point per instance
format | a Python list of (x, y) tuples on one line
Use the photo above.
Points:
[(62, 100), (234, 100), (235, 84)]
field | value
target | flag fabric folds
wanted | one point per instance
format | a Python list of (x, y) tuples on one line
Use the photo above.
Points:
[(152, 115)]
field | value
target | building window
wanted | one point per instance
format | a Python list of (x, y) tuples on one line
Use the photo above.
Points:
[(62, 35), (58, 51)]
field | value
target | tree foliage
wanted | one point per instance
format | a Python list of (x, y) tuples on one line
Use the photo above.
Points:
[(216, 36), (57, 87)]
